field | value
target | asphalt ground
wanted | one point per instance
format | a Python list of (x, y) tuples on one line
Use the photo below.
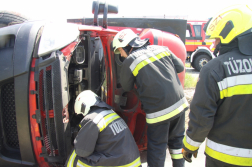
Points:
[(196, 162), (192, 71)]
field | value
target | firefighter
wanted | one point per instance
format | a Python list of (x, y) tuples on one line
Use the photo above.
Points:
[(154, 71), (104, 139), (221, 107)]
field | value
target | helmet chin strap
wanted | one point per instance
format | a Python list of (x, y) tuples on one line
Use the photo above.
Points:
[(128, 49)]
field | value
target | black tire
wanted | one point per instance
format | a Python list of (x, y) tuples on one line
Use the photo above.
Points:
[(9, 18), (200, 61), (192, 65)]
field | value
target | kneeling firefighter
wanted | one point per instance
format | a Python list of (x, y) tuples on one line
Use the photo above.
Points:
[(104, 139)]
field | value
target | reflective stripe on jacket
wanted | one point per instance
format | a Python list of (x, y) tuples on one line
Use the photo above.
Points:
[(154, 71), (221, 110), (73, 161), (167, 113), (104, 140), (228, 154)]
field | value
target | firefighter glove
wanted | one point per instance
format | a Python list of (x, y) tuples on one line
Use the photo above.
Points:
[(188, 156)]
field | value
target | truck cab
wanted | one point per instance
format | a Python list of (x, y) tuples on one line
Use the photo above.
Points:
[(197, 46), (43, 68)]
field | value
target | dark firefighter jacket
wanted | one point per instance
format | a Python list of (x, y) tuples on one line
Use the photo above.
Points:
[(104, 139), (221, 110), (154, 70)]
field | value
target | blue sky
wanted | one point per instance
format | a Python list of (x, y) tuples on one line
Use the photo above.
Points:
[(64, 9)]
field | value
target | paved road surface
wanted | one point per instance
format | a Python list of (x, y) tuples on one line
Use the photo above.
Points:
[(196, 162), (192, 71)]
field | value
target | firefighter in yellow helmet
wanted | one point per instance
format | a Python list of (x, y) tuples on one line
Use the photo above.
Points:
[(221, 109), (104, 139)]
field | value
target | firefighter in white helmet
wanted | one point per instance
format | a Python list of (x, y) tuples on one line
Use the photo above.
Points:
[(221, 107), (104, 139), (154, 70)]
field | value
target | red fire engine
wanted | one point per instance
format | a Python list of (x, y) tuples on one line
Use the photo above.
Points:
[(197, 46)]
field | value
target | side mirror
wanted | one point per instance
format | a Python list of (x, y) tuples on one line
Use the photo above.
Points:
[(105, 8)]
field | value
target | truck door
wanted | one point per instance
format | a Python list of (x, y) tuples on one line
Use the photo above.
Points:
[(205, 42), (190, 38), (198, 37)]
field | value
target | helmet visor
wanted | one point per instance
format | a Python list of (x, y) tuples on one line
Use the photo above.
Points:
[(137, 42), (83, 107)]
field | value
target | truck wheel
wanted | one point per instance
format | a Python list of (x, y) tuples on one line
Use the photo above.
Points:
[(200, 61), (9, 18)]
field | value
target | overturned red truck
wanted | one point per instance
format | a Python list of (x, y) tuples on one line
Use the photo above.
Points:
[(44, 66)]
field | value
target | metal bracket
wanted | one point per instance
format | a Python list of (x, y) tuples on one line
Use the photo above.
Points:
[(44, 152), (33, 92), (37, 116), (39, 138)]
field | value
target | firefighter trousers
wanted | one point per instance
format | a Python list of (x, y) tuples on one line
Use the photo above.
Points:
[(162, 135)]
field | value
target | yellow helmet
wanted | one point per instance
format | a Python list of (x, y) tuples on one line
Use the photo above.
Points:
[(229, 23)]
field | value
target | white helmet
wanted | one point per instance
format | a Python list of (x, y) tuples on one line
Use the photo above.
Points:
[(122, 39), (84, 101)]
